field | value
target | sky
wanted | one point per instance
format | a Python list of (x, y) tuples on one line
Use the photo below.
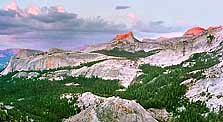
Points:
[(72, 24)]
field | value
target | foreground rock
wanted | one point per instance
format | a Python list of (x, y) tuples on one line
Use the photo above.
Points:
[(113, 109), (160, 114)]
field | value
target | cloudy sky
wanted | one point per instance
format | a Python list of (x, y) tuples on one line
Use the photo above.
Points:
[(43, 24)]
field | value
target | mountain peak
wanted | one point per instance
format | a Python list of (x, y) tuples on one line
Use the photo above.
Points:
[(214, 27), (124, 36), (194, 31)]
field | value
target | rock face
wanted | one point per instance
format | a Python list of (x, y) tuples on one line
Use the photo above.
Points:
[(48, 60), (26, 75), (56, 50), (113, 109), (210, 89), (211, 28), (127, 38), (24, 53), (124, 36), (194, 31), (160, 114), (176, 50), (124, 71)]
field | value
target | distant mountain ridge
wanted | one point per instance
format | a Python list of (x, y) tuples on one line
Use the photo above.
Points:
[(5, 56)]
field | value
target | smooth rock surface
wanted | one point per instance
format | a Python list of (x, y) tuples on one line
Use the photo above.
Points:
[(111, 109)]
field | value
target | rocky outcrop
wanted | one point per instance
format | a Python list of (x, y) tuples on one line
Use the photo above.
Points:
[(126, 41), (213, 28), (57, 75), (113, 109), (24, 53), (124, 71), (56, 50), (160, 114), (126, 36), (115, 69), (194, 31), (27, 75)]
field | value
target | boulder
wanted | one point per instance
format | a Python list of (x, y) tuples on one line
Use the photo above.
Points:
[(112, 109), (160, 114)]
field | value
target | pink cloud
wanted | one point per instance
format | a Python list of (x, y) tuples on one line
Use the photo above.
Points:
[(11, 6), (34, 10), (170, 35), (133, 17), (59, 8), (182, 22)]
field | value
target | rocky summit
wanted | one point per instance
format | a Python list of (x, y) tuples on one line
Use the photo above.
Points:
[(194, 31), (125, 80)]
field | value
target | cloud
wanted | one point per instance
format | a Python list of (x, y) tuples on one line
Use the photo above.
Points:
[(53, 19), (122, 7), (132, 17), (157, 27), (59, 8), (50, 27), (33, 10), (11, 6)]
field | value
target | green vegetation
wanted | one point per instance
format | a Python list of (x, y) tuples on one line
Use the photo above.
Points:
[(40, 100), (210, 38), (129, 55)]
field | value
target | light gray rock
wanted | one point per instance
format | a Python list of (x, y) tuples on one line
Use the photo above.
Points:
[(124, 71), (209, 89), (160, 114), (43, 61), (176, 50), (111, 109), (33, 74), (27, 75), (57, 75), (114, 69), (21, 75)]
